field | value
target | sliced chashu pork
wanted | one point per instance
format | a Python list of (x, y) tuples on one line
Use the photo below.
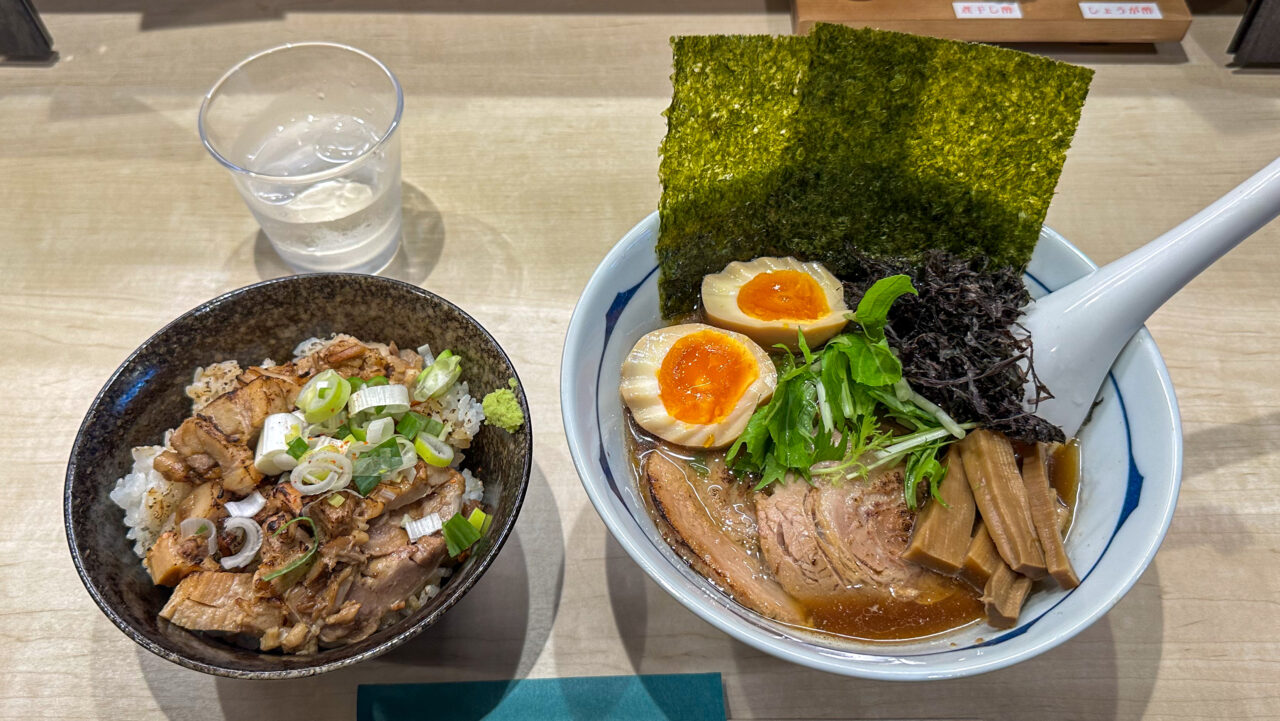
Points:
[(351, 357), (382, 587), (789, 544), (240, 413), (729, 503), (223, 602), (198, 435), (863, 526), (386, 533), (702, 541), (407, 488), (224, 432)]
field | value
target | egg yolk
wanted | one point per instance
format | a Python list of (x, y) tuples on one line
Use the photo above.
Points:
[(703, 376), (783, 295)]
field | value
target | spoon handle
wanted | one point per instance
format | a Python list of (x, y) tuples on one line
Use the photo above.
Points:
[(1081, 328)]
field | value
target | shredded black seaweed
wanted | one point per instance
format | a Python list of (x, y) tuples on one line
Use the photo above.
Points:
[(957, 339)]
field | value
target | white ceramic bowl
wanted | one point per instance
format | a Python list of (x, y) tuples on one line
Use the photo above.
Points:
[(1132, 465)]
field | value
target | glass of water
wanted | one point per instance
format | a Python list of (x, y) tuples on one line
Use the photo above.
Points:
[(308, 131)]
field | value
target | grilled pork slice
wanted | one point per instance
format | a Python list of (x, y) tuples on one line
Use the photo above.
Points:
[(445, 500), (174, 468), (198, 435), (386, 534), (221, 601), (401, 491), (731, 504), (384, 584), (171, 559), (351, 357), (702, 542), (239, 414), (789, 544), (863, 527)]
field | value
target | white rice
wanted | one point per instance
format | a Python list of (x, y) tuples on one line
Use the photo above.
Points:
[(475, 488), (459, 409), (430, 591), (212, 381), (147, 498), (309, 346)]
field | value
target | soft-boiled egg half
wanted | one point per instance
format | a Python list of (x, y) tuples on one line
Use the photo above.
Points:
[(769, 298), (696, 385)]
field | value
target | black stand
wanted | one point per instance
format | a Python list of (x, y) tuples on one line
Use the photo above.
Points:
[(22, 36), (1257, 40)]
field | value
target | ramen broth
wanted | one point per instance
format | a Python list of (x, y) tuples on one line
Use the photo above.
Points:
[(950, 603)]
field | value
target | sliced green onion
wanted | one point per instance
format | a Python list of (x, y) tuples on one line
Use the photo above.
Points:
[(411, 424), (424, 526), (434, 428), (366, 483), (376, 381), (321, 471), (272, 455), (433, 450), (378, 460), (459, 534), (480, 520), (300, 561), (297, 447), (356, 383), (336, 500), (437, 378), (342, 431), (379, 430), (327, 427), (323, 396), (391, 400), (408, 453)]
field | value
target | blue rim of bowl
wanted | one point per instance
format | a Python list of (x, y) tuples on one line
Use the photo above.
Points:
[(456, 591), (756, 636)]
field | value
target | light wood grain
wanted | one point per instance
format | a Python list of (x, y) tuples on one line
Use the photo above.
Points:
[(529, 148), (1040, 21)]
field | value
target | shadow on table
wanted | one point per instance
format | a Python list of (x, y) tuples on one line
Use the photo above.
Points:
[(1106, 671), (422, 242), (496, 632), (164, 13), (1206, 520)]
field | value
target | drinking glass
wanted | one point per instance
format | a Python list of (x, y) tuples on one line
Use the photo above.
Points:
[(308, 131)]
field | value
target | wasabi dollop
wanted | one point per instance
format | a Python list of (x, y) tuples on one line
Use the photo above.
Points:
[(502, 409)]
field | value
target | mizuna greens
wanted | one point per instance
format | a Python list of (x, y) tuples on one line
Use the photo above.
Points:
[(834, 410)]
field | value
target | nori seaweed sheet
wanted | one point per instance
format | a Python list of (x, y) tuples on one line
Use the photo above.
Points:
[(856, 142)]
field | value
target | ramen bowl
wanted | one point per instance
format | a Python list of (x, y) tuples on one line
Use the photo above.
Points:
[(1130, 472)]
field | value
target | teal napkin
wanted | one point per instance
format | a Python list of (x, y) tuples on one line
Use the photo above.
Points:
[(676, 697)]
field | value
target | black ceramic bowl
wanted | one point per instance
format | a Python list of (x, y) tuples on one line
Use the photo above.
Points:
[(145, 396)]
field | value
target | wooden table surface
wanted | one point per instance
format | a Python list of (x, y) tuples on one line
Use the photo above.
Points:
[(529, 148)]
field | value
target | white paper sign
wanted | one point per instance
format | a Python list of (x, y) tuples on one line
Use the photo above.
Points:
[(1120, 11), (987, 10)]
